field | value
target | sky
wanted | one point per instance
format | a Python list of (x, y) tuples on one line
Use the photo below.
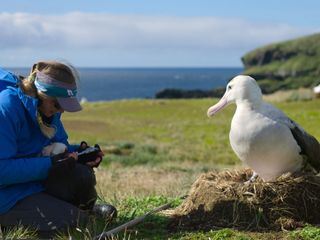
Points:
[(148, 33)]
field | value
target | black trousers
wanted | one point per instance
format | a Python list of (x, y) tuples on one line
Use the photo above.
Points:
[(76, 186), (64, 204)]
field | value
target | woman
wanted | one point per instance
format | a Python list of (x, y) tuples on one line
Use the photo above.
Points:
[(48, 193)]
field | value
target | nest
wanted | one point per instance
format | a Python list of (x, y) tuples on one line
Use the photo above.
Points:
[(219, 200)]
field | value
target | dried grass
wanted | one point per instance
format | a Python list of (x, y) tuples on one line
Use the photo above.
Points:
[(301, 94), (118, 182), (219, 200)]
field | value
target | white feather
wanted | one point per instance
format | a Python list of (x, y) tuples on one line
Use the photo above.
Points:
[(260, 134)]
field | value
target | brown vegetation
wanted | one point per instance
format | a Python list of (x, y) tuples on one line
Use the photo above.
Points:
[(219, 200)]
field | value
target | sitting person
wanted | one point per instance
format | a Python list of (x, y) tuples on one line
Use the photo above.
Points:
[(48, 193)]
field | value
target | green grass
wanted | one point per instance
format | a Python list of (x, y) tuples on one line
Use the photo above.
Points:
[(18, 232), (136, 155), (308, 233), (215, 235), (164, 132), (176, 130), (155, 149), (180, 127)]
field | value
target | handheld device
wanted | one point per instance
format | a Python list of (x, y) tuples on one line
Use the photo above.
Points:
[(88, 155)]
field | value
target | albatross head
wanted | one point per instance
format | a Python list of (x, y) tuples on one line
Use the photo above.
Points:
[(240, 89)]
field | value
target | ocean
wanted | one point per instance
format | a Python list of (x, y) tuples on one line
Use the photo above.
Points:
[(105, 84)]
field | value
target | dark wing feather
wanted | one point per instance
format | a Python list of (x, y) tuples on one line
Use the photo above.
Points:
[(309, 145)]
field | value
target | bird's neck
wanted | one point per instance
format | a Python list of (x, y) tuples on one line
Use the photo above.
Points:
[(245, 104)]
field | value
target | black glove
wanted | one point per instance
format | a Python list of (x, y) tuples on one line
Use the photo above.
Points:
[(88, 154), (62, 163)]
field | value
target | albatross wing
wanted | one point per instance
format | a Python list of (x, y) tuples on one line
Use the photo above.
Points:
[(309, 145)]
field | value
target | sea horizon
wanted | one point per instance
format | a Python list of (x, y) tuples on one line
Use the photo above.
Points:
[(115, 83)]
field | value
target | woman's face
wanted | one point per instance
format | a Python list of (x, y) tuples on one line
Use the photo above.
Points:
[(49, 107)]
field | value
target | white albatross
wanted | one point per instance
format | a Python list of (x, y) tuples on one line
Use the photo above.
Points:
[(262, 136)]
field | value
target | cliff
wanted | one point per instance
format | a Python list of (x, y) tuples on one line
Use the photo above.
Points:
[(285, 65)]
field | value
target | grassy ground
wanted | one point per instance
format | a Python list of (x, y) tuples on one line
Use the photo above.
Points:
[(178, 129), (155, 149)]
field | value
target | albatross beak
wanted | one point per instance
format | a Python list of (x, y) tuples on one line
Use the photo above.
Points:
[(217, 107)]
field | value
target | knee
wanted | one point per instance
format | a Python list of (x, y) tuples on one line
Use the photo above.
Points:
[(84, 175), (86, 194)]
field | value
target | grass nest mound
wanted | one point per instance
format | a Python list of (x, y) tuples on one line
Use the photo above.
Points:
[(219, 200)]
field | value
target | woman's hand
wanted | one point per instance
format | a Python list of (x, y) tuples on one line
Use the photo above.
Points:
[(63, 162), (91, 156), (98, 159), (64, 158), (73, 155)]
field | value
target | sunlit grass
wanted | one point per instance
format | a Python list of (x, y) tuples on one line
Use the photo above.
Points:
[(179, 129), (183, 141), (155, 149)]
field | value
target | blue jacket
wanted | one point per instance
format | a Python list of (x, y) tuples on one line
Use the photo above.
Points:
[(22, 171)]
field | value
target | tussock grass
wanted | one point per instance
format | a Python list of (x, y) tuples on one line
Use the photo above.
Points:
[(219, 200)]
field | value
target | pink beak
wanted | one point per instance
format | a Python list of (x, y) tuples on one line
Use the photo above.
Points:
[(218, 106)]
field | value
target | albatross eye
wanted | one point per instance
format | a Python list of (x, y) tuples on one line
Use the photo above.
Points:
[(229, 87)]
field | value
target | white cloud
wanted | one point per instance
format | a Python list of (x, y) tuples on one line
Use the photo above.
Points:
[(87, 32)]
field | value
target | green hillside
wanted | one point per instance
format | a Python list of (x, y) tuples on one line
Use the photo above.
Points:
[(285, 65)]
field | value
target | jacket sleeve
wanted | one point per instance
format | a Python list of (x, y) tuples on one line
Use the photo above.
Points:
[(12, 169)]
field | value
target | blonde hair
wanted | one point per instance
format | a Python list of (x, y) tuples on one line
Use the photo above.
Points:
[(60, 71)]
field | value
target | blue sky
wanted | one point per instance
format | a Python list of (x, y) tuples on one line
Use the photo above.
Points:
[(148, 33)]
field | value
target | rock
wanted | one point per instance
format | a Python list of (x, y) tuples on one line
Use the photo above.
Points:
[(170, 93)]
